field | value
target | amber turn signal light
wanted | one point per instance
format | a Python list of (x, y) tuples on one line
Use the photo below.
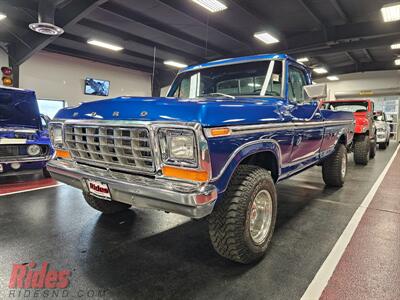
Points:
[(63, 154), (220, 132), (194, 175)]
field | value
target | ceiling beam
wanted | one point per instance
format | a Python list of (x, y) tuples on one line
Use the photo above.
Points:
[(154, 24), (340, 11), (362, 67), (368, 54), (311, 13), (212, 24), (138, 39), (97, 58), (68, 16), (351, 57)]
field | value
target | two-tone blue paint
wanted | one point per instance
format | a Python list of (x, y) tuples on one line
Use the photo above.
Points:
[(303, 134)]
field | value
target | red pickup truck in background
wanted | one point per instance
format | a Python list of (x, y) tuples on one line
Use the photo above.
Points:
[(364, 143)]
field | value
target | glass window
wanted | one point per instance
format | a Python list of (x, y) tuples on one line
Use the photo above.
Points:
[(347, 106), (297, 80), (245, 79), (50, 107)]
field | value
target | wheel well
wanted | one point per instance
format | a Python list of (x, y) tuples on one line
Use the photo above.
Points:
[(266, 160)]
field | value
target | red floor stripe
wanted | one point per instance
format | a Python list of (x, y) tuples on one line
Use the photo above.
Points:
[(28, 185), (370, 265)]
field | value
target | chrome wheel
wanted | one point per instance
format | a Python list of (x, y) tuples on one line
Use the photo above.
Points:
[(344, 166), (260, 217)]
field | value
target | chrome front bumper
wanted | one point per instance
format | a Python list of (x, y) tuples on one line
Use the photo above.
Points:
[(182, 198)]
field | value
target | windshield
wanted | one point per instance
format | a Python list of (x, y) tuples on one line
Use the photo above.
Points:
[(348, 106), (261, 78)]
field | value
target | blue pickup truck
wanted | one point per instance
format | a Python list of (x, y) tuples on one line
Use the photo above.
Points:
[(24, 141), (215, 147)]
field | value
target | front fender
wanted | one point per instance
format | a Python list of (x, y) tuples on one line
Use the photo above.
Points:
[(222, 180)]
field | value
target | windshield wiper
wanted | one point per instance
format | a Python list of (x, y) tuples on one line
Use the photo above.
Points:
[(222, 94)]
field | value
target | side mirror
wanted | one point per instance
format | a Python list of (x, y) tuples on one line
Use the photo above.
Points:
[(315, 91)]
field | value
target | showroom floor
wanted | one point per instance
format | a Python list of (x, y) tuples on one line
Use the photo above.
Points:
[(149, 254)]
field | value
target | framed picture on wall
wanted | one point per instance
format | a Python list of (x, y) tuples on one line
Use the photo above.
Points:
[(97, 87)]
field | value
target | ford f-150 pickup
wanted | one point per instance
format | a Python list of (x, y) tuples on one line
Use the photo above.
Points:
[(215, 147)]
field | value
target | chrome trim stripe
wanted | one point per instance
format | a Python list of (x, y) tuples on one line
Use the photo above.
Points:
[(245, 129), (24, 159)]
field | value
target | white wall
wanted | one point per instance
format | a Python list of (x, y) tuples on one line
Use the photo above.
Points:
[(3, 59), (60, 77), (363, 82)]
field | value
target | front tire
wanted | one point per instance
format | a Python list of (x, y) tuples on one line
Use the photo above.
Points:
[(334, 168), (383, 146), (242, 223), (361, 150), (46, 173), (105, 206)]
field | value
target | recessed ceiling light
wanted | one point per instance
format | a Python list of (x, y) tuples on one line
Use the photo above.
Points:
[(395, 46), (397, 62), (391, 12), (175, 64), (332, 78), (266, 37), (320, 70), (105, 45), (2, 16), (303, 59), (211, 5)]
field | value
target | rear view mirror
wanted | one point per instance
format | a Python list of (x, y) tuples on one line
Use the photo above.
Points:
[(315, 91)]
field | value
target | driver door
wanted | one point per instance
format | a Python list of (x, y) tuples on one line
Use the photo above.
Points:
[(306, 117)]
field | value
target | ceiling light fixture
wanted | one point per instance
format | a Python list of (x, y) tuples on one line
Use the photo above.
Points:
[(391, 12), (320, 70), (395, 46), (332, 78), (2, 16), (303, 60), (175, 64), (211, 5), (266, 37), (397, 62), (105, 45)]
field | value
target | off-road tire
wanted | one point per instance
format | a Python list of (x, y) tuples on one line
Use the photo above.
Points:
[(372, 151), (105, 206), (332, 167), (229, 223), (361, 150), (46, 173), (383, 146)]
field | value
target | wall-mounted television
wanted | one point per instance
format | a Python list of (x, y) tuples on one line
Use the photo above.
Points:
[(97, 87)]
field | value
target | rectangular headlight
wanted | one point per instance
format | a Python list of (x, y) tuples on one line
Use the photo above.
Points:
[(178, 147), (56, 135)]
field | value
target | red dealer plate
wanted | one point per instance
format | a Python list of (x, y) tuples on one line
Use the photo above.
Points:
[(98, 189)]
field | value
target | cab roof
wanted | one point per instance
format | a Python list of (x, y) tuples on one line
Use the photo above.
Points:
[(237, 60)]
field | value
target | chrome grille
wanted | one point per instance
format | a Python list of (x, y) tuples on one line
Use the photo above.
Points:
[(120, 148)]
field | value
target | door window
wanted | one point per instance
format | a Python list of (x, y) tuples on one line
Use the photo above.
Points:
[(297, 80)]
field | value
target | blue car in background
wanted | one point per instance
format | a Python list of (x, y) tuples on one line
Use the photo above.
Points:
[(24, 139)]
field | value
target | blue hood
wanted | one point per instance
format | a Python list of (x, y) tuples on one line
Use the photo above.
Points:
[(19, 108), (206, 111)]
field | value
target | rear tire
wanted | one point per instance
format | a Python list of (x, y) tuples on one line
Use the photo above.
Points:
[(242, 223), (105, 206), (334, 168), (361, 150), (372, 151), (383, 146)]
